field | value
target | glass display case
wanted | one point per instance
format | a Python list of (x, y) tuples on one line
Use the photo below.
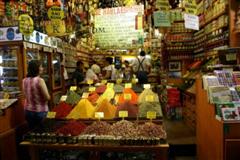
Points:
[(57, 70), (9, 72)]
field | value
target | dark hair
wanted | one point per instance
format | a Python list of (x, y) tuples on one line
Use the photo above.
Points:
[(126, 62), (33, 68), (79, 63), (142, 53), (109, 60)]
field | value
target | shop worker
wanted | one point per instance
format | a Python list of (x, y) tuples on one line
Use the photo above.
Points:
[(141, 67), (78, 75), (109, 69), (36, 95), (92, 73)]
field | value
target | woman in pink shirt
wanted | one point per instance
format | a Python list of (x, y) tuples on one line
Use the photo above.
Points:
[(36, 95)]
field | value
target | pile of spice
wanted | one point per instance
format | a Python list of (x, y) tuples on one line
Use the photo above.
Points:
[(72, 98), (93, 97), (118, 88), (107, 108), (124, 129), (98, 128), (150, 106), (84, 109), (151, 130), (62, 110), (143, 97), (108, 94), (73, 128), (128, 106), (133, 99), (101, 89)]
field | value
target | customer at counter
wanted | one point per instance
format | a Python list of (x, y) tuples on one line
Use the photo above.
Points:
[(93, 73), (36, 95), (109, 69), (78, 75)]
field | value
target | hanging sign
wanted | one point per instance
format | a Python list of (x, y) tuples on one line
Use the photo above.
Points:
[(55, 12), (161, 19), (55, 27), (162, 5), (26, 25), (119, 27), (10, 34), (190, 6), (191, 21)]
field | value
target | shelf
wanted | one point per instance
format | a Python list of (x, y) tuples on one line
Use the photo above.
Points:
[(217, 29), (9, 67), (10, 92), (182, 41), (215, 17), (10, 59), (9, 78)]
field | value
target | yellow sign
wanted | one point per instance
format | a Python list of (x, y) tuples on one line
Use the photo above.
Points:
[(55, 27), (151, 115), (92, 89), (123, 114), (26, 25), (85, 95), (128, 85), (104, 81), (149, 98), (127, 96), (146, 86), (90, 81), (63, 98), (55, 12), (119, 81), (134, 80), (73, 88), (51, 115), (190, 7), (99, 115)]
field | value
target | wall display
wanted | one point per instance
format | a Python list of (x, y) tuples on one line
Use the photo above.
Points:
[(161, 19), (190, 7), (116, 27), (55, 27), (10, 34)]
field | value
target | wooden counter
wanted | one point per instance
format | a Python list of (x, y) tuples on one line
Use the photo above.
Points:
[(161, 151)]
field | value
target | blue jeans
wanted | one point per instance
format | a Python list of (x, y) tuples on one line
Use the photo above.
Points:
[(34, 119)]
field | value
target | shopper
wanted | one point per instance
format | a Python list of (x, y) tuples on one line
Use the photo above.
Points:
[(127, 70), (141, 67), (78, 75), (109, 69), (93, 73), (36, 95)]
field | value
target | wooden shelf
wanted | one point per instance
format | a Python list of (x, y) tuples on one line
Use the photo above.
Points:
[(215, 17)]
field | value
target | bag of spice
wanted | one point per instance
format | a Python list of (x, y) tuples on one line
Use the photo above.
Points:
[(84, 109)]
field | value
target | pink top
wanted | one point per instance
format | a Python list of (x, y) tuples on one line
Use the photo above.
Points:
[(35, 100)]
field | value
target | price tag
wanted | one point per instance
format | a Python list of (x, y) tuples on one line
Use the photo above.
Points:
[(99, 115), (92, 89), (149, 98), (146, 86), (151, 115), (63, 98), (90, 81), (134, 80), (51, 115), (127, 96), (128, 85), (123, 114), (110, 85), (73, 88), (85, 95), (104, 81), (119, 81)]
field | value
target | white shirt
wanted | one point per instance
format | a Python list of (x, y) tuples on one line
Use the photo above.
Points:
[(146, 63), (112, 69), (90, 75)]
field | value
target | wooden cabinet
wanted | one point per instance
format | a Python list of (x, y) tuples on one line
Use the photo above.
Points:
[(216, 140), (189, 110)]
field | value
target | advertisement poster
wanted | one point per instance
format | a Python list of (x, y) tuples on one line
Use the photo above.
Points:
[(10, 34)]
